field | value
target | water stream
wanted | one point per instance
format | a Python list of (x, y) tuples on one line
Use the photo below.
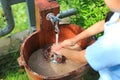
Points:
[(57, 38), (55, 57)]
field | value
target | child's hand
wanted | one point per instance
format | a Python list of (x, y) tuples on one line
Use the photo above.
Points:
[(64, 44)]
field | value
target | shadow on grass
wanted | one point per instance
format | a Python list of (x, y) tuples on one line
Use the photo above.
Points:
[(10, 70), (91, 75)]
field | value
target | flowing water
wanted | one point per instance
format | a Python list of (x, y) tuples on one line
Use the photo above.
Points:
[(55, 57), (57, 38)]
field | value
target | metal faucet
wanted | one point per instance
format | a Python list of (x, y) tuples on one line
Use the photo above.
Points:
[(56, 19)]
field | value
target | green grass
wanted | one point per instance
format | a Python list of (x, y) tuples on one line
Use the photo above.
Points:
[(15, 75), (11, 70), (89, 12)]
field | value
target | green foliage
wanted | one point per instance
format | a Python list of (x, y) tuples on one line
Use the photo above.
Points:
[(20, 17), (2, 18), (15, 75), (11, 70), (89, 11)]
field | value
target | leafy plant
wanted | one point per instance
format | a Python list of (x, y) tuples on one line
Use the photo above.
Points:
[(20, 17), (89, 11)]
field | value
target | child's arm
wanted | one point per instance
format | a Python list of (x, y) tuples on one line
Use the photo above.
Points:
[(94, 29)]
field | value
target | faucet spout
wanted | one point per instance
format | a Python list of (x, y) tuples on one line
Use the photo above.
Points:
[(56, 27), (55, 21)]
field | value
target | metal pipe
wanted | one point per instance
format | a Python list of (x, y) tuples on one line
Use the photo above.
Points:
[(67, 13), (9, 18), (12, 2), (6, 5), (31, 15)]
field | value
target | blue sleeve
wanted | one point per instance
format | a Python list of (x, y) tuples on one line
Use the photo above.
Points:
[(101, 55)]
